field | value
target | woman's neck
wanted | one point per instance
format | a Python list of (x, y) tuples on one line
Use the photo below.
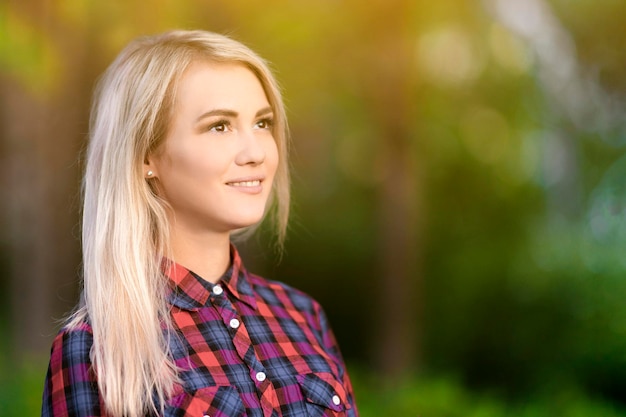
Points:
[(205, 253)]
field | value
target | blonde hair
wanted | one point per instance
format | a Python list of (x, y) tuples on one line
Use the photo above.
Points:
[(125, 224)]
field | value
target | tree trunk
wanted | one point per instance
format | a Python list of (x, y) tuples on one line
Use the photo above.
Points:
[(42, 130), (391, 50)]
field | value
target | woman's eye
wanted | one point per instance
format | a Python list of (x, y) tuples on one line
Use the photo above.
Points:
[(265, 123), (221, 126)]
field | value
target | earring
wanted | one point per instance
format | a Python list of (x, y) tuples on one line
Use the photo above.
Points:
[(150, 173)]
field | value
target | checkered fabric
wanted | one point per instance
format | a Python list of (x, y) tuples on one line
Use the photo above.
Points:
[(245, 346)]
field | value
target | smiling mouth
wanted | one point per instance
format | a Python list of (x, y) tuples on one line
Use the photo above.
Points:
[(254, 183)]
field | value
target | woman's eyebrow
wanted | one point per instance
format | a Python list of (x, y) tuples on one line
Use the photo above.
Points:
[(217, 112), (264, 111), (232, 113)]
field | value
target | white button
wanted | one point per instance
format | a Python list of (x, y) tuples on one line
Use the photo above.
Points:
[(234, 323), (260, 376), (336, 400), (217, 290), (206, 415)]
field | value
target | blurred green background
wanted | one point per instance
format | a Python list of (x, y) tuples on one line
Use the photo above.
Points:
[(459, 198)]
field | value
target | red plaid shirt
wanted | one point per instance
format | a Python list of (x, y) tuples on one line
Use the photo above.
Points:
[(245, 346)]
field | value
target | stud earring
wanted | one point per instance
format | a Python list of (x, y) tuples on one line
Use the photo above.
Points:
[(150, 173)]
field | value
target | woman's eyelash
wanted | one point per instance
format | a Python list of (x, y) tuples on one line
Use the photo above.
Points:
[(268, 122), (219, 126), (224, 125)]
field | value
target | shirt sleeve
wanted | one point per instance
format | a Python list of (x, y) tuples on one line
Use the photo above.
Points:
[(71, 389), (330, 344)]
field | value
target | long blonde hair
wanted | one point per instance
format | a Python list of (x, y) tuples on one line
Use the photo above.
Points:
[(125, 224)]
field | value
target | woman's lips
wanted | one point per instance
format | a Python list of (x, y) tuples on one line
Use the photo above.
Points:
[(249, 186), (253, 183)]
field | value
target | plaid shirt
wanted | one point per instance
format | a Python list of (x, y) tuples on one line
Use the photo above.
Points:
[(246, 346)]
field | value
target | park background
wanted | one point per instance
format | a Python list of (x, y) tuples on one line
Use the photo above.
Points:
[(458, 189)]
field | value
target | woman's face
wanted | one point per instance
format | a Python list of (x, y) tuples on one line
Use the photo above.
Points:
[(217, 163)]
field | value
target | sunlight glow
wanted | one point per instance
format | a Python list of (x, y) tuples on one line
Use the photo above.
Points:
[(509, 51), (447, 56)]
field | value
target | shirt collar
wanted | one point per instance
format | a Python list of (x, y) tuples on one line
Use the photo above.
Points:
[(191, 292)]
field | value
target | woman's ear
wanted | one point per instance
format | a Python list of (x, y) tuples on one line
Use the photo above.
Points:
[(149, 168)]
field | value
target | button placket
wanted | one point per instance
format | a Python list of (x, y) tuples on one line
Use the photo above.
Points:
[(259, 377)]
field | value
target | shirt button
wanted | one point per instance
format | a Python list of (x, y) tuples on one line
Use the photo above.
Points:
[(217, 290), (206, 415), (336, 400), (234, 323), (260, 376)]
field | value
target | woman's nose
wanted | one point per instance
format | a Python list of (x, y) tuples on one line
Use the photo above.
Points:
[(252, 150)]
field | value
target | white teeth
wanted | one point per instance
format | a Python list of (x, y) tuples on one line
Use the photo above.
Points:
[(254, 183)]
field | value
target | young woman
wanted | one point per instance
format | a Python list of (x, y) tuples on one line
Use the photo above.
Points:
[(188, 146)]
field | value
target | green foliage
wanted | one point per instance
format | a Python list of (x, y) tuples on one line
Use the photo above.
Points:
[(27, 54), (441, 396), (21, 386)]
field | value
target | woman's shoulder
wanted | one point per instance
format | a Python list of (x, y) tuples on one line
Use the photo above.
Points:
[(278, 292), (74, 339), (287, 302), (71, 388)]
